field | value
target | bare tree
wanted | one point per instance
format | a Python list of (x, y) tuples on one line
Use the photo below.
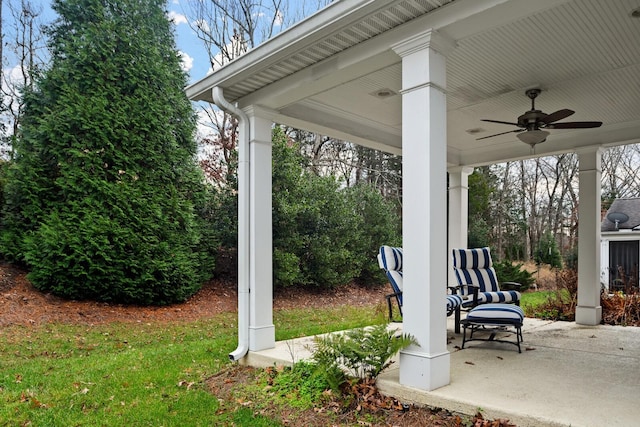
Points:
[(218, 156), (1, 45), (502, 218), (228, 29), (24, 56), (620, 173), (540, 196)]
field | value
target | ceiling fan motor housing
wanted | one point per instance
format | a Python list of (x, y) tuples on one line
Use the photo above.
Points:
[(534, 121), (531, 119), (532, 93)]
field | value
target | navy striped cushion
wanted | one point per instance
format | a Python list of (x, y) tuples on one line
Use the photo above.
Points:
[(496, 313), (472, 258), (453, 302), (390, 258), (494, 297), (474, 267), (502, 296), (395, 279)]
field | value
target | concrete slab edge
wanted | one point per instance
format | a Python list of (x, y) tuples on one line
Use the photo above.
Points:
[(390, 387)]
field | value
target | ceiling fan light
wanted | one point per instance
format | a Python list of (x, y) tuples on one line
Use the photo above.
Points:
[(533, 137)]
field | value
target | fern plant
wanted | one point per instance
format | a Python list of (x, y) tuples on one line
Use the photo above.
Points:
[(362, 353)]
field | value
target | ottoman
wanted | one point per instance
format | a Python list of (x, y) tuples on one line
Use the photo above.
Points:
[(494, 318)]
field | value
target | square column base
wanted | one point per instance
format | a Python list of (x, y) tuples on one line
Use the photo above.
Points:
[(589, 316), (262, 338), (422, 371)]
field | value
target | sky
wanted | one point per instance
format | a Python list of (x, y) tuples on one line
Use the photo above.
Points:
[(195, 57), (194, 54)]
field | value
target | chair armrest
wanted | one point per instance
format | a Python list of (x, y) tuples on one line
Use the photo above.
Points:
[(472, 290), (511, 286)]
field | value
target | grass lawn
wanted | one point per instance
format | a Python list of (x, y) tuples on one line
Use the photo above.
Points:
[(140, 374), (531, 302)]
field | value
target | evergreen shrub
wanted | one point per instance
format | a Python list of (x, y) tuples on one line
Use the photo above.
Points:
[(378, 224), (104, 199), (507, 271), (547, 252), (324, 235)]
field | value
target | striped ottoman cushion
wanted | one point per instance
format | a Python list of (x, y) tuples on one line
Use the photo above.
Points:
[(496, 314), (453, 302)]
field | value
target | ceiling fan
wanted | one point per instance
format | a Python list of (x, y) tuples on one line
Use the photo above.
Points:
[(532, 123)]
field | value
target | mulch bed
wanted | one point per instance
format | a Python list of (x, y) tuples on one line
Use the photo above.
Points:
[(368, 407), (22, 304)]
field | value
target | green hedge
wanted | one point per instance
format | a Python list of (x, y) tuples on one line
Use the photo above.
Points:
[(104, 198)]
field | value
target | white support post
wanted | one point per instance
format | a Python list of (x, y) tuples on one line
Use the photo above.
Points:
[(261, 328), (458, 214), (589, 310), (424, 366)]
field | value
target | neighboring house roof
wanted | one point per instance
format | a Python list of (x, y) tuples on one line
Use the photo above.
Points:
[(627, 211)]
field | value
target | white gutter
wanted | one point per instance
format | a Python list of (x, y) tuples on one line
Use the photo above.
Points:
[(243, 221)]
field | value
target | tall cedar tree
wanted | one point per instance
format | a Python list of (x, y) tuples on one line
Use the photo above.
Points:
[(103, 198)]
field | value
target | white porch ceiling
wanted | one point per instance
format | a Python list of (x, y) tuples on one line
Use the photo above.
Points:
[(324, 74)]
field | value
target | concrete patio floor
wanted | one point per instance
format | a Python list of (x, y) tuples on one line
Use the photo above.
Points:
[(566, 375)]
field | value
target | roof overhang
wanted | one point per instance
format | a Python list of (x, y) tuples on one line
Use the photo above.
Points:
[(336, 74)]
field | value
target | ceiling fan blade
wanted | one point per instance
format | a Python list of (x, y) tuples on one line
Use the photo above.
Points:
[(498, 121), (501, 133), (574, 125), (558, 115)]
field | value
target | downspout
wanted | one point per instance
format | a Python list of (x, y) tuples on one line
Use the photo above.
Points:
[(243, 221)]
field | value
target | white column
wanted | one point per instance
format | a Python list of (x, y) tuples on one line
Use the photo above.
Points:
[(424, 157), (589, 311), (261, 328), (458, 214)]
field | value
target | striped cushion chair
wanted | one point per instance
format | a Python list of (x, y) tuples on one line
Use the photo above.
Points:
[(476, 277), (390, 260)]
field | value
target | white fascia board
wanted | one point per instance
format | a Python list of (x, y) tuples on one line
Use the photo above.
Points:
[(337, 15), (617, 236)]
